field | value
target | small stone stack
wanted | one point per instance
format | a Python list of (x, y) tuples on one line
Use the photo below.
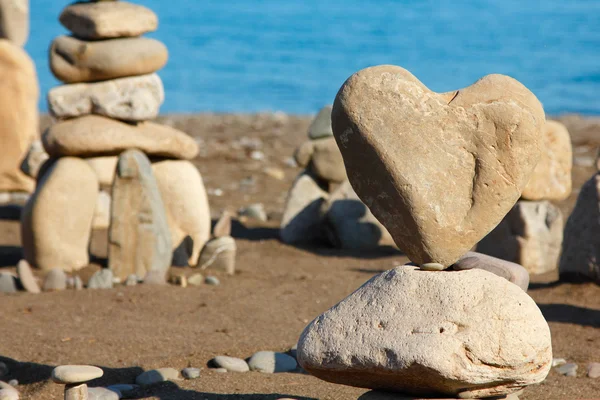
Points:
[(151, 199), (439, 170), (531, 234), (321, 204), (19, 94)]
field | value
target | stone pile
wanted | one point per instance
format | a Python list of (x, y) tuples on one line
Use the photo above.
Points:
[(321, 205), (19, 94), (439, 170), (109, 166), (531, 234)]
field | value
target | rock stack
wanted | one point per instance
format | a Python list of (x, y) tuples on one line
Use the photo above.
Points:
[(151, 199), (439, 170), (531, 234), (321, 205), (19, 94)]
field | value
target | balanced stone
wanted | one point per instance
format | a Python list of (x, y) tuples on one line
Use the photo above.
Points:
[(139, 238), (106, 20), (439, 170), (232, 364), (302, 218), (580, 256), (531, 235), (73, 60), (219, 254), (56, 221), (469, 334), (349, 224), (14, 21), (19, 95), (136, 98), (510, 271), (27, 278), (551, 179), (186, 204), (323, 158), (93, 135), (75, 373), (321, 125)]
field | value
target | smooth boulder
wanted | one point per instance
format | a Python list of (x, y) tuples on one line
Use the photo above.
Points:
[(530, 235), (186, 204), (19, 93), (139, 241), (57, 219), (470, 334), (136, 98), (439, 170), (551, 178), (108, 19), (93, 136), (73, 60)]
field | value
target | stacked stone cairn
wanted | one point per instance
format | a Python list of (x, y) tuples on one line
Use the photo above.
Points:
[(321, 206), (531, 234), (19, 95), (440, 171), (110, 168)]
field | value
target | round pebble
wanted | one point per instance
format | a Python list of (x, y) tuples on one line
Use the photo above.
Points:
[(55, 280), (593, 370), (75, 373), (569, 369), (231, 364), (157, 375), (432, 267), (27, 278), (190, 373), (272, 362), (212, 280), (220, 370)]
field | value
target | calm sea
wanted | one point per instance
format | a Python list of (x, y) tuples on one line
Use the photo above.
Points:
[(292, 56)]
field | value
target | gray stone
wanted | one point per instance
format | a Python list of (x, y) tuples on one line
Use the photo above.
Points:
[(593, 370), (569, 369), (530, 235), (75, 373), (255, 211), (232, 364), (157, 375), (320, 127), (101, 393), (14, 21), (136, 98), (56, 279), (13, 383), (36, 156), (139, 236), (131, 280), (271, 362), (508, 270), (102, 279), (190, 373), (8, 283), (27, 278), (212, 280), (301, 221), (219, 254)]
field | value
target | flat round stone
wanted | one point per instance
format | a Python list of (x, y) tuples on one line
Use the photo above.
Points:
[(432, 267), (75, 373)]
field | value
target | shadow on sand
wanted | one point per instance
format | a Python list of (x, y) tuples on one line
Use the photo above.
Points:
[(571, 314)]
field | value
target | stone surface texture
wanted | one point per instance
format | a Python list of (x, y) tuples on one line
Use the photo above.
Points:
[(469, 334), (439, 170)]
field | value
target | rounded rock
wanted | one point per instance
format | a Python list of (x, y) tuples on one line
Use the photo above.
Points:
[(271, 362), (75, 373), (55, 280), (190, 373), (232, 364)]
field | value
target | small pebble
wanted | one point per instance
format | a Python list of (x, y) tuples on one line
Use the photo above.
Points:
[(55, 280), (75, 373), (157, 375), (196, 280), (7, 283), (271, 362), (593, 370), (190, 373), (290, 162), (432, 267), (232, 364), (27, 278), (102, 279), (13, 383), (257, 155), (569, 369), (101, 393), (131, 280), (558, 361), (212, 280), (276, 173), (256, 211)]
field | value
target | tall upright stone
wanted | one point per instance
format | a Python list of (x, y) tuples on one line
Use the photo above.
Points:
[(139, 237), (19, 95)]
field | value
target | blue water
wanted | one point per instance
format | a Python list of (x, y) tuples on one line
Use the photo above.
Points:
[(292, 56)]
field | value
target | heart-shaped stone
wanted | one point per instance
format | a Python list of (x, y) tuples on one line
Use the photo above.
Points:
[(439, 170)]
